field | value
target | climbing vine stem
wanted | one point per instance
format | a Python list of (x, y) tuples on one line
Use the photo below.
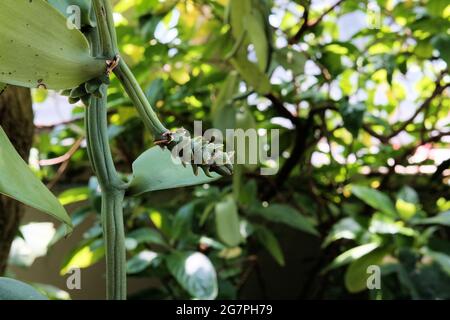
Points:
[(113, 190), (139, 100)]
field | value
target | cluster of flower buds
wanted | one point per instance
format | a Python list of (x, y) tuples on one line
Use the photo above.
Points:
[(199, 153), (84, 91)]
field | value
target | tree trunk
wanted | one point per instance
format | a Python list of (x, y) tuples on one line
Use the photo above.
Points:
[(16, 118)]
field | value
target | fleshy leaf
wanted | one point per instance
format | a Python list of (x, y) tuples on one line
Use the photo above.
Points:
[(11, 289), (39, 50), (19, 182), (155, 170)]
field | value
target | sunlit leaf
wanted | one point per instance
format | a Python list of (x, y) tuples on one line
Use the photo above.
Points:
[(74, 195), (346, 228), (351, 255), (84, 256), (356, 275)]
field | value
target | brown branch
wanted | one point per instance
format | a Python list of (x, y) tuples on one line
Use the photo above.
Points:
[(301, 136), (281, 109), (307, 25), (302, 130), (302, 29), (439, 89)]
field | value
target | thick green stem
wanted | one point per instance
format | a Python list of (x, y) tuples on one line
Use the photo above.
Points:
[(106, 29), (139, 100), (113, 190), (108, 40)]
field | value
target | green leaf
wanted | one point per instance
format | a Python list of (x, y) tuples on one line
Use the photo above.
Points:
[(408, 194), (11, 289), (222, 113), (227, 222), (156, 91), (51, 292), (245, 153), (38, 49), (74, 195), (270, 242), (141, 261), (237, 10), (442, 218), (353, 115), (84, 256), (182, 222), (254, 24), (287, 215), (356, 274), (406, 210), (251, 74), (351, 255), (441, 42), (375, 199), (440, 258), (147, 235), (346, 228), (155, 170), (292, 60), (436, 7), (195, 273), (383, 224), (19, 182), (247, 193)]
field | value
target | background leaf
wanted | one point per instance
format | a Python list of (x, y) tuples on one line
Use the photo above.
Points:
[(375, 199), (227, 222), (270, 242), (442, 218), (356, 275), (286, 215), (195, 273)]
